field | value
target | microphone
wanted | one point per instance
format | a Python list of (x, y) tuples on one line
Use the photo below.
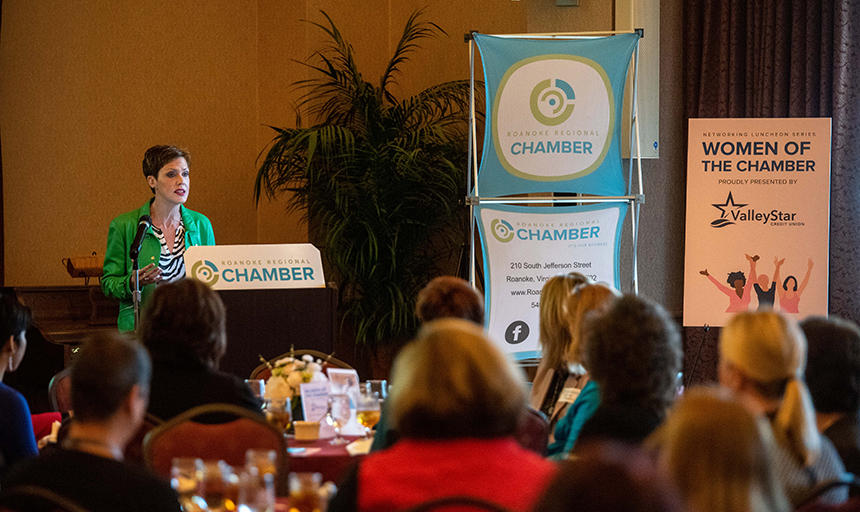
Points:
[(142, 225)]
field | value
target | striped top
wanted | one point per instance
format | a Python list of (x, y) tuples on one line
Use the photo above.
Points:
[(172, 260)]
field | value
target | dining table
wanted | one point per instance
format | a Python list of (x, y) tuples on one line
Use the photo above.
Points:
[(320, 456)]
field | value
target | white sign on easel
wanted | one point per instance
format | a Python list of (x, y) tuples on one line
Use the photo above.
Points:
[(250, 267)]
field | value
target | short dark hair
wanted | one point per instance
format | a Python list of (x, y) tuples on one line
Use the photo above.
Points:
[(833, 363), (108, 366), (14, 317), (449, 297), (185, 324), (633, 352), (785, 283), (609, 477), (157, 157)]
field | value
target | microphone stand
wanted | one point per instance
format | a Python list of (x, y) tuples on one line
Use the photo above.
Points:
[(135, 293)]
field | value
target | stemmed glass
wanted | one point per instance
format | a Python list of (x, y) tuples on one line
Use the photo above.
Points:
[(367, 409), (337, 415)]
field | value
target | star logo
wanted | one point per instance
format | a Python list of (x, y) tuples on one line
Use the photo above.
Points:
[(730, 202), (724, 209)]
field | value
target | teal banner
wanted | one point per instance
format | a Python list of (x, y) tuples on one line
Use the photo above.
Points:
[(552, 114)]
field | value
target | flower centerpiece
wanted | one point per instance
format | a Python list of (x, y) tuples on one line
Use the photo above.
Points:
[(288, 374)]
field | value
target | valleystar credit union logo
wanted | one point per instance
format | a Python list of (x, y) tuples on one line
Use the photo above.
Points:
[(553, 117), (502, 230)]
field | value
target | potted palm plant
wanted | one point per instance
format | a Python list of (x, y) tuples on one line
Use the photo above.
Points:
[(378, 177)]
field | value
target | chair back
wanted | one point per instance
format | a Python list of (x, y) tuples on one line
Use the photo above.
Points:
[(263, 371), (184, 437), (533, 431), (32, 498), (60, 391), (459, 503), (134, 448)]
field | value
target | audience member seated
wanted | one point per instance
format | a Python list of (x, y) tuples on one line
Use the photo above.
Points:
[(586, 299), (609, 478), (633, 352), (443, 297), (833, 378), (110, 381), (456, 404), (762, 360), (717, 453), (17, 441), (556, 382), (184, 328)]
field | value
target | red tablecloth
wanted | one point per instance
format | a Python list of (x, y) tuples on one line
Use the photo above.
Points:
[(330, 460)]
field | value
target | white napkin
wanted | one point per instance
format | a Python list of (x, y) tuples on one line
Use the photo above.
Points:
[(359, 447)]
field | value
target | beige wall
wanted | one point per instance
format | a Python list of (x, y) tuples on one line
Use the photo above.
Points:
[(87, 86)]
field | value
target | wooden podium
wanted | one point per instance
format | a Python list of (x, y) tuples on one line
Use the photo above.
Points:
[(266, 322)]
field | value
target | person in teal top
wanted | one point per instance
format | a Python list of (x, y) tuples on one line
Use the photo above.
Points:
[(568, 427), (174, 229)]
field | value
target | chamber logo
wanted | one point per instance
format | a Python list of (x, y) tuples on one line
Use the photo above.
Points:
[(502, 230), (206, 272), (551, 101)]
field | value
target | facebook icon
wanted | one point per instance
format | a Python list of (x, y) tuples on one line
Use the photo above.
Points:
[(517, 332)]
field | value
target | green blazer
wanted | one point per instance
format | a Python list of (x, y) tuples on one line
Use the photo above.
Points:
[(117, 265)]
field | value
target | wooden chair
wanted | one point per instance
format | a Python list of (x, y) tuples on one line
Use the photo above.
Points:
[(32, 498), (60, 391), (533, 431), (183, 437), (457, 503), (263, 372)]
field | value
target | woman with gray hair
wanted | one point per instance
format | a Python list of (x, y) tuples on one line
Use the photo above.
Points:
[(457, 403)]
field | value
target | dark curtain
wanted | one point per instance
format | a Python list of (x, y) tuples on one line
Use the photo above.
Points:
[(786, 58)]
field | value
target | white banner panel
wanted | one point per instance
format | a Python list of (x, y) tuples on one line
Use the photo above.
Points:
[(757, 187), (525, 246), (249, 267)]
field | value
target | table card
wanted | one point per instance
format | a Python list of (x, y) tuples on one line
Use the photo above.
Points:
[(346, 382), (315, 404)]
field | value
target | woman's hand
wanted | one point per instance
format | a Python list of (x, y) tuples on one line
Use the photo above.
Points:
[(704, 272), (810, 264), (149, 274), (778, 262)]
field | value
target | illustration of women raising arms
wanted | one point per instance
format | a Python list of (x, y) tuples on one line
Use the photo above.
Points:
[(789, 298), (739, 294)]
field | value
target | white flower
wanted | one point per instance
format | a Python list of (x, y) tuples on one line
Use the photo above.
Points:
[(319, 377), (307, 357), (315, 367), (285, 361), (278, 389)]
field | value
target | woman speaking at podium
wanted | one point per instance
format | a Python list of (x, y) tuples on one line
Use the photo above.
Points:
[(157, 233)]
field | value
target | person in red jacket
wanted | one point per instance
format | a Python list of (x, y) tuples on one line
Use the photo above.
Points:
[(456, 402)]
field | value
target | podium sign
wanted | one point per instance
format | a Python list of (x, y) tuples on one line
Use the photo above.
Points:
[(254, 267)]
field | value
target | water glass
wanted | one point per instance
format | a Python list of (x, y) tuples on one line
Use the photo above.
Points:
[(337, 415), (279, 413), (258, 387), (219, 486), (184, 478), (305, 492), (378, 386), (256, 491)]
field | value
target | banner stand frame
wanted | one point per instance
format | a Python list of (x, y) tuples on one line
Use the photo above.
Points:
[(634, 200)]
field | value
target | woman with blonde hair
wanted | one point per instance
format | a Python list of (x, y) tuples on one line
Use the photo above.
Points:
[(457, 404), (555, 377), (586, 299), (762, 360), (717, 453)]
